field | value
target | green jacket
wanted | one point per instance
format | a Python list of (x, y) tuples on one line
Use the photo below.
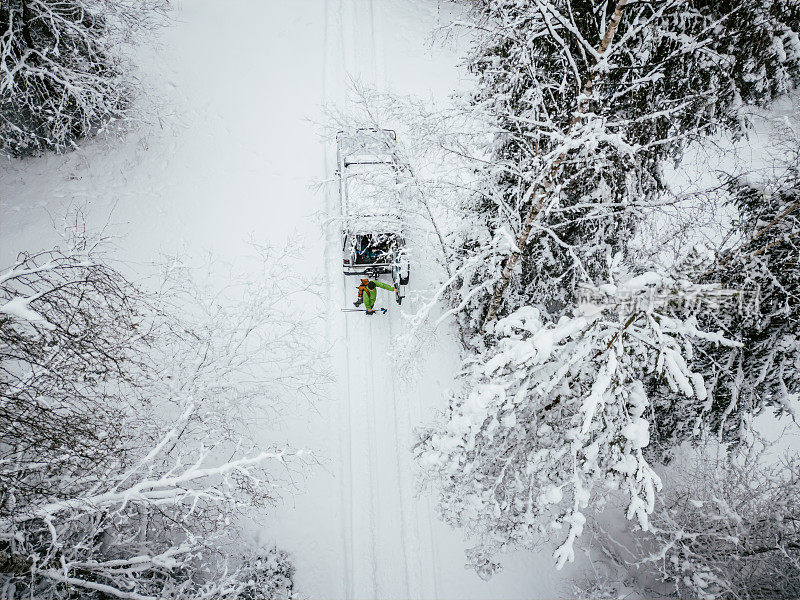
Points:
[(369, 295)]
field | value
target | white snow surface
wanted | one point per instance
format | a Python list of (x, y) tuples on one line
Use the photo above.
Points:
[(229, 155), (637, 432), (20, 308)]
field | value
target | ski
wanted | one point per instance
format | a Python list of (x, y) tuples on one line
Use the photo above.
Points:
[(382, 310)]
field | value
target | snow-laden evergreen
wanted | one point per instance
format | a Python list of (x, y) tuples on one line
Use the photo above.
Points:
[(554, 415), (560, 396), (763, 262), (589, 100)]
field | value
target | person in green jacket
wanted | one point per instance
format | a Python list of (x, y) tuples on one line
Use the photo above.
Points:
[(368, 293)]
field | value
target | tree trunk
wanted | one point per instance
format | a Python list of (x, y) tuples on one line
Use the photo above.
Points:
[(542, 190), (26, 29)]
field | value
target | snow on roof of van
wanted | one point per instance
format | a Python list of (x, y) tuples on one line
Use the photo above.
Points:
[(373, 199), (366, 147)]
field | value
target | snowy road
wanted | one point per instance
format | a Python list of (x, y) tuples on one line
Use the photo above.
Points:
[(387, 543), (231, 156)]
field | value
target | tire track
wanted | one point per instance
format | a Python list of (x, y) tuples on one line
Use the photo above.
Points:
[(362, 477), (346, 483), (386, 556), (412, 589), (409, 524), (375, 511), (339, 412), (334, 67)]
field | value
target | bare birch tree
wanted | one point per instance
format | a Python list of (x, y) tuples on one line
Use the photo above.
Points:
[(126, 460)]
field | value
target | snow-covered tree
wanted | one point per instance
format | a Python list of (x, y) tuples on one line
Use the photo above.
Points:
[(758, 258), (589, 100), (125, 458), (268, 574), (554, 415), (64, 69), (726, 526), (70, 326)]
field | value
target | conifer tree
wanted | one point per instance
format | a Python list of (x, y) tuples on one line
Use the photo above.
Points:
[(576, 347), (761, 264), (584, 130)]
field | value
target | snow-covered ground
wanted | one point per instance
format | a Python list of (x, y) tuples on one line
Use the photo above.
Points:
[(230, 155)]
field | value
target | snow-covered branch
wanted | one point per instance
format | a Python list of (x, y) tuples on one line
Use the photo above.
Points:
[(63, 68), (556, 414), (726, 526), (128, 452)]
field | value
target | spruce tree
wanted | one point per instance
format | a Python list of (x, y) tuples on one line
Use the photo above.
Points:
[(761, 265), (578, 351)]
